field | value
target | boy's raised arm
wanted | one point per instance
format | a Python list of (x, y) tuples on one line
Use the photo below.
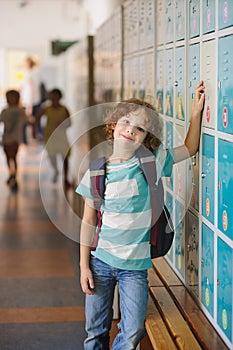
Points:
[(192, 140)]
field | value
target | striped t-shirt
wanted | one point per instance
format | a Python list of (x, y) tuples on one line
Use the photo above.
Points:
[(126, 219)]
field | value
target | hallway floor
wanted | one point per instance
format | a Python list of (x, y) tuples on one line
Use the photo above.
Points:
[(41, 303)]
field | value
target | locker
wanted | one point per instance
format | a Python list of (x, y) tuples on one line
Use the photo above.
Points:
[(194, 18), (134, 46), (208, 19), (127, 28), (192, 252), (142, 77), (179, 237), (180, 19), (142, 24), (225, 13), (150, 23), (134, 76), (169, 21), (117, 80), (180, 83), (117, 45), (169, 204), (225, 187), (208, 155), (225, 85), (169, 144), (150, 77), (126, 92), (224, 287), (160, 15), (207, 271), (159, 82), (179, 173), (169, 80), (193, 177), (208, 74), (194, 74)]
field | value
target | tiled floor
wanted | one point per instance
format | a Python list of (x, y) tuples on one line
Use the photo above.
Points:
[(41, 303)]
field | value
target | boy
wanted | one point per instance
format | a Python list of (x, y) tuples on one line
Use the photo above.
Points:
[(123, 251), (13, 118)]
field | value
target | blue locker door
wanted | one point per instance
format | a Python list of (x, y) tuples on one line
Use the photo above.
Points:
[(208, 20), (208, 155), (225, 187), (193, 173), (180, 237), (224, 282), (207, 263), (169, 145), (179, 19), (180, 84), (170, 206), (225, 84), (169, 80), (194, 73), (159, 82), (192, 251), (169, 20), (194, 18), (225, 13)]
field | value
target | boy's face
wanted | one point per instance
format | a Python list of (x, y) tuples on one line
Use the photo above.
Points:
[(131, 128)]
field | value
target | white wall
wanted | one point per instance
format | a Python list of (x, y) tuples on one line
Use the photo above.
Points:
[(33, 26)]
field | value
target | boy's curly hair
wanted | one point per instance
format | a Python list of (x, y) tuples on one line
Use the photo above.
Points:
[(153, 120)]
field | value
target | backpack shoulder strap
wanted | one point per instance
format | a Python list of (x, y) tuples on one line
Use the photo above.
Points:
[(147, 163), (97, 177)]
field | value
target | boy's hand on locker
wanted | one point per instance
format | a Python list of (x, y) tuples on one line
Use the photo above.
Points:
[(199, 99)]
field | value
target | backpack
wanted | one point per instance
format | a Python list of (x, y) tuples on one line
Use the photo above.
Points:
[(162, 230)]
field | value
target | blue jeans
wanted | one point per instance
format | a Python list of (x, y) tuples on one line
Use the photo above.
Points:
[(133, 292)]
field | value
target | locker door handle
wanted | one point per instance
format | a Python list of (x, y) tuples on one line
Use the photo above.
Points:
[(194, 160), (176, 83), (203, 175)]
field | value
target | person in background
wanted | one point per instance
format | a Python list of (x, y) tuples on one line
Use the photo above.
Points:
[(57, 120), (13, 118), (122, 254), (31, 94)]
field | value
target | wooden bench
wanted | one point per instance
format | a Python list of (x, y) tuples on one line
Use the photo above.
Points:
[(174, 319)]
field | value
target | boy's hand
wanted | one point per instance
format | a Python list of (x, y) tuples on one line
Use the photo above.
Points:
[(199, 98), (86, 281)]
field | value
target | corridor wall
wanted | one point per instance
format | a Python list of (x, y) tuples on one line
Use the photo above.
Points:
[(167, 47)]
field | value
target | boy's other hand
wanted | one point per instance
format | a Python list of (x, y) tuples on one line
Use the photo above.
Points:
[(87, 282)]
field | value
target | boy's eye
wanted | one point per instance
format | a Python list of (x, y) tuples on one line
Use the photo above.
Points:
[(140, 129)]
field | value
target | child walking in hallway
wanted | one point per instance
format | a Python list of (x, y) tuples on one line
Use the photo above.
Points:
[(57, 120), (13, 118), (122, 254)]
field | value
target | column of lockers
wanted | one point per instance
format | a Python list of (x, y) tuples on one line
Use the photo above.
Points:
[(138, 62), (195, 41), (108, 59)]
